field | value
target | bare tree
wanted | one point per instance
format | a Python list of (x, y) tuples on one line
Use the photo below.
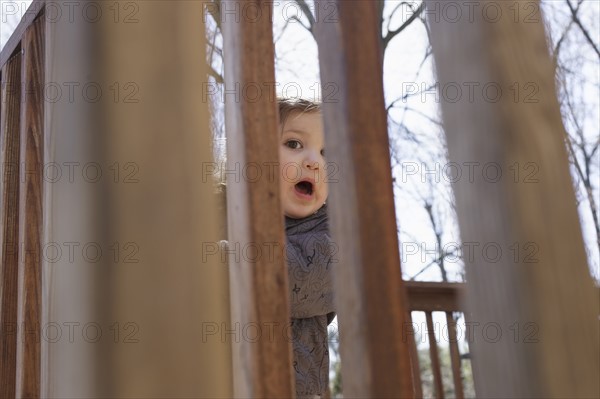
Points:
[(386, 32), (576, 52)]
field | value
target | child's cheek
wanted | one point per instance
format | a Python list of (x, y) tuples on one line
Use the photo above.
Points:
[(325, 182)]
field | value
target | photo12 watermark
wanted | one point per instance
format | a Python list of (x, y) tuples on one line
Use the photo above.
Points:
[(254, 332), (256, 12), (469, 172), (324, 251), (471, 331), (76, 252), (471, 251), (527, 11), (253, 172), (75, 92), (252, 92), (126, 12), (72, 172), (73, 332), (471, 92)]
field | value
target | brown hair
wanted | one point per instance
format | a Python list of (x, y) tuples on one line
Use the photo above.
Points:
[(288, 106)]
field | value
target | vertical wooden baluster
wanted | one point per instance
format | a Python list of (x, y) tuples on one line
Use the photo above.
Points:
[(454, 356), (435, 359), (375, 363), (259, 289), (469, 338), (30, 212), (9, 222), (414, 361)]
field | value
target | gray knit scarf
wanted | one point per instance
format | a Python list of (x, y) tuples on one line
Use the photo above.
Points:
[(309, 253)]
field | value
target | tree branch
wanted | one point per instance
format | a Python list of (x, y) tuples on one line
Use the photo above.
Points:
[(391, 34), (581, 27)]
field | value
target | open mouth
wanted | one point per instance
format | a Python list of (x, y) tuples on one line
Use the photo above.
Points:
[(305, 188)]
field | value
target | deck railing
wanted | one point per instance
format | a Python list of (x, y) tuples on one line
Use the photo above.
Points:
[(28, 37), (429, 297)]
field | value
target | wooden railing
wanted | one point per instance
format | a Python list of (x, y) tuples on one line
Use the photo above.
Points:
[(21, 118), (429, 297)]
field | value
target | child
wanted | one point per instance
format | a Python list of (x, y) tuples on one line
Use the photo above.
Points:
[(308, 250)]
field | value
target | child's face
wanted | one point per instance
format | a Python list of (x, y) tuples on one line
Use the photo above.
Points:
[(302, 165)]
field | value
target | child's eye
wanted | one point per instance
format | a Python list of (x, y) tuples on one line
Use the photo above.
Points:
[(323, 152), (293, 144)]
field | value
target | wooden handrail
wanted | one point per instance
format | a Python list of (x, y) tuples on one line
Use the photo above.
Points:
[(432, 296), (14, 41), (441, 296)]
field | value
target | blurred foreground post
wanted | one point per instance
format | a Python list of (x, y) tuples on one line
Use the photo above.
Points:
[(370, 296), (141, 129), (535, 310)]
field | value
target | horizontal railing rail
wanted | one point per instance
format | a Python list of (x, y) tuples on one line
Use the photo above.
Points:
[(13, 44)]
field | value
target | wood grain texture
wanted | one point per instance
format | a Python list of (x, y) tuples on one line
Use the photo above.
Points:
[(259, 290), (9, 222), (544, 291), (30, 213), (363, 223)]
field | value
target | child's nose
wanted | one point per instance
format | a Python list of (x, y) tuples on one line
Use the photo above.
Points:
[(312, 162), (312, 165)]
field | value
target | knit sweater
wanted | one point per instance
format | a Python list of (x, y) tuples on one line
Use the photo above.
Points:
[(310, 259)]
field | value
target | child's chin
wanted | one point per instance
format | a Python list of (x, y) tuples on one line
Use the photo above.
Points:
[(298, 213)]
